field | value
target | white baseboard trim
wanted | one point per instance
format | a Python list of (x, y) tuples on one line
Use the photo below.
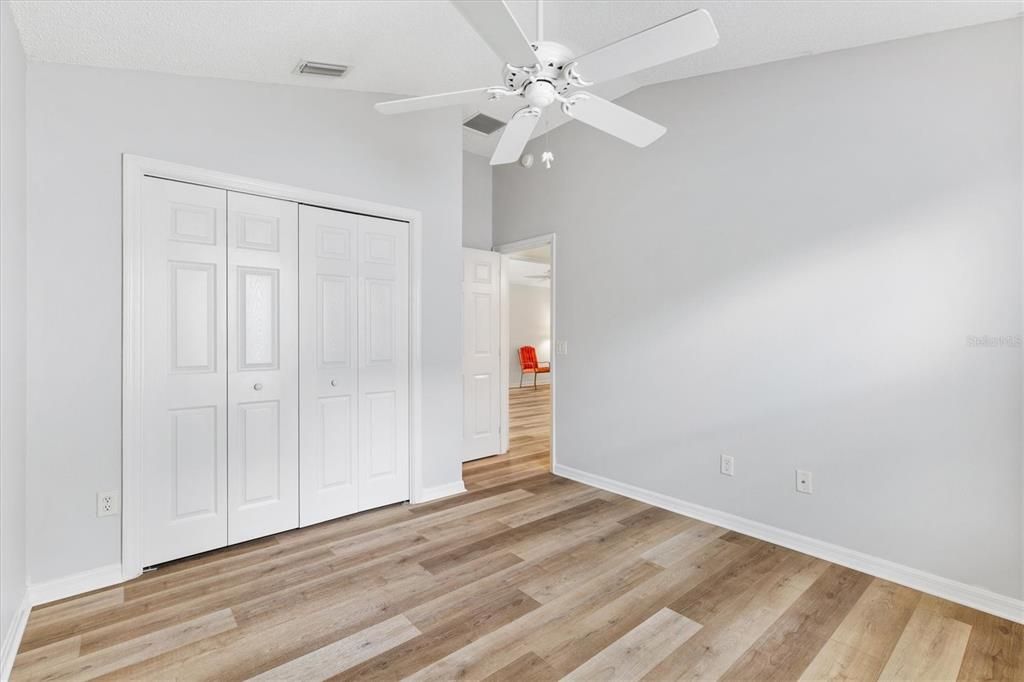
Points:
[(12, 638), (42, 593), (961, 593), (86, 581), (439, 491)]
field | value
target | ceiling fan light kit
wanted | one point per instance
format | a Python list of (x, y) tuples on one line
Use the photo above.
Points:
[(542, 73)]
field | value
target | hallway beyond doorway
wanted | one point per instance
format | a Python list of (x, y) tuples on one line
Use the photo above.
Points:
[(529, 451)]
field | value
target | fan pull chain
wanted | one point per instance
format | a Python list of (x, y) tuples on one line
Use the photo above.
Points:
[(547, 156)]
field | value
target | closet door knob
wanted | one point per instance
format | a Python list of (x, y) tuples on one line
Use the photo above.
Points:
[(333, 382), (257, 387)]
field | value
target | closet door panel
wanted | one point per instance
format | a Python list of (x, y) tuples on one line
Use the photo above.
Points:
[(262, 386), (327, 363), (383, 351), (184, 457)]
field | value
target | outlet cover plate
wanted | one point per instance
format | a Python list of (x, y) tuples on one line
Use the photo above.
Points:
[(728, 465), (804, 482), (108, 503)]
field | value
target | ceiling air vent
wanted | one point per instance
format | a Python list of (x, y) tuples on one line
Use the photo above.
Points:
[(483, 124), (322, 69)]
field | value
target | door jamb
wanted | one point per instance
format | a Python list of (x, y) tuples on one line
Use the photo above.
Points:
[(134, 169), (548, 239)]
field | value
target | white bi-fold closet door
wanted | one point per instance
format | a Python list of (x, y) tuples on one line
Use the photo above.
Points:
[(185, 370), (275, 366), (354, 312), (263, 366)]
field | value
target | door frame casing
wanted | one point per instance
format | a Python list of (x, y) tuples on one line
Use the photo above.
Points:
[(547, 239), (134, 169)]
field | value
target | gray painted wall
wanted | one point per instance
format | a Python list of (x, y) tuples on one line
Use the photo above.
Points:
[(12, 322), (476, 202), (793, 274), (80, 120), (529, 324)]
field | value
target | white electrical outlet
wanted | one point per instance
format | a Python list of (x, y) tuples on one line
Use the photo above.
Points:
[(108, 504), (728, 466), (804, 482)]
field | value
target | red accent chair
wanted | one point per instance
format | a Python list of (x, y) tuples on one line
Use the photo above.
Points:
[(528, 365)]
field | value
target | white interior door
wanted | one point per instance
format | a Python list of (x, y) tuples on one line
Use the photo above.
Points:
[(481, 361), (382, 248), (328, 364), (262, 386), (184, 458)]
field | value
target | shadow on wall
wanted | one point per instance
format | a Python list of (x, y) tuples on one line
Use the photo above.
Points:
[(801, 288)]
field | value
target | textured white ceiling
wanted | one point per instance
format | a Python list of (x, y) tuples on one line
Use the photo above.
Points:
[(424, 46)]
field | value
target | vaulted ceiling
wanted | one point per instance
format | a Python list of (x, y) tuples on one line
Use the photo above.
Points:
[(413, 47)]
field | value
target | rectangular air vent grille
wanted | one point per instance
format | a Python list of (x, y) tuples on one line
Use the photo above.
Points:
[(322, 69), (483, 124)]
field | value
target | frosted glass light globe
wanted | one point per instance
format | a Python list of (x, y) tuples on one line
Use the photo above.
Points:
[(540, 94)]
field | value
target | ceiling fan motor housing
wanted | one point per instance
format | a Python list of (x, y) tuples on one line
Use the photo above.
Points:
[(540, 82)]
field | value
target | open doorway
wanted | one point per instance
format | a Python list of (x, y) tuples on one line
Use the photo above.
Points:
[(527, 367)]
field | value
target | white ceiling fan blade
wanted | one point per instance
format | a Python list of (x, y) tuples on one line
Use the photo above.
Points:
[(615, 120), (499, 29), (673, 39), (517, 134), (401, 106)]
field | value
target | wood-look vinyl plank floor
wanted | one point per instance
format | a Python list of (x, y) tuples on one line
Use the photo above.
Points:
[(527, 576), (529, 442)]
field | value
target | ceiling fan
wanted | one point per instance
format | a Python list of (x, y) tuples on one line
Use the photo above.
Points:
[(545, 72)]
